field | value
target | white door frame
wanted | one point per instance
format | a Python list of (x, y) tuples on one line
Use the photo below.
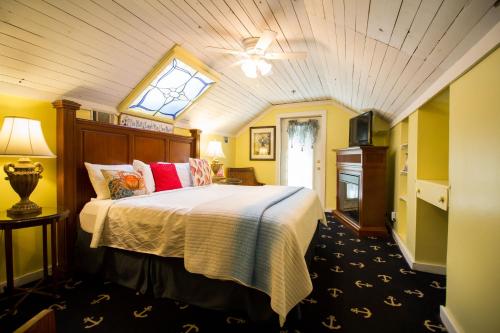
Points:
[(322, 144)]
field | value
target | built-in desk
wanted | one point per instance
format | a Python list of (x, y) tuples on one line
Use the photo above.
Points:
[(434, 192)]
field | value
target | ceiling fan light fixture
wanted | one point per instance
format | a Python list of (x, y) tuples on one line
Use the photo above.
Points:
[(249, 67), (253, 67), (264, 67)]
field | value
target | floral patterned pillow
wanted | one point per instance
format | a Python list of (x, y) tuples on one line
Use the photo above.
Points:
[(201, 172), (124, 184)]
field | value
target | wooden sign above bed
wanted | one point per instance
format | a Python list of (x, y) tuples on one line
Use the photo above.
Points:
[(80, 141)]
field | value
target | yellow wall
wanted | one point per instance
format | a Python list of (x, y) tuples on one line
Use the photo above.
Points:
[(422, 227), (432, 163), (398, 158), (228, 148), (27, 243), (84, 114), (474, 214), (411, 204), (473, 220), (181, 131), (393, 158), (393, 165), (337, 136), (433, 133)]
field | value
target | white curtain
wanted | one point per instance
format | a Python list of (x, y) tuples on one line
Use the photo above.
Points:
[(297, 155), (352, 191), (303, 132), (300, 165)]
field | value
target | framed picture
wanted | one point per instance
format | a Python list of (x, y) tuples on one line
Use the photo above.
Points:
[(104, 117), (263, 143), (146, 124)]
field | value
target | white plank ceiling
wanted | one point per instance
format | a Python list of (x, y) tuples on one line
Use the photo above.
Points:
[(378, 54)]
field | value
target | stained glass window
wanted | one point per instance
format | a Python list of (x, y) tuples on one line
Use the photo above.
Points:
[(172, 91)]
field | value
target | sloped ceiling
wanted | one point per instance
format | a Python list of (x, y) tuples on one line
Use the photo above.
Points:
[(378, 54)]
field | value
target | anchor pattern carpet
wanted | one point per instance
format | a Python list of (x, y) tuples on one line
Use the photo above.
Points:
[(360, 285)]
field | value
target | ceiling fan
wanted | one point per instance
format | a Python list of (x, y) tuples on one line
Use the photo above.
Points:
[(254, 58)]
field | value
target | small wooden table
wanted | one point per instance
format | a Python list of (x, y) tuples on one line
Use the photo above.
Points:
[(48, 216), (227, 181)]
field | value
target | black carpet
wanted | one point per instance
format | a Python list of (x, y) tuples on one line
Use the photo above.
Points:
[(360, 285)]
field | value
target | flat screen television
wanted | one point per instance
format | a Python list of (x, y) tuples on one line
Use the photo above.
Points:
[(360, 130)]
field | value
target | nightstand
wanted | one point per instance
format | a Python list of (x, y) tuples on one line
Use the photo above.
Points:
[(48, 216), (226, 181)]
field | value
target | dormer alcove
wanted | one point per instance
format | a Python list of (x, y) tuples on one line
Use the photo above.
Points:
[(421, 184)]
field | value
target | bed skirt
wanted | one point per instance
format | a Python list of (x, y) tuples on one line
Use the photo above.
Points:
[(166, 277)]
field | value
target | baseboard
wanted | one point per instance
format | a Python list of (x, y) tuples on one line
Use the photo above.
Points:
[(429, 268), (449, 321), (26, 278), (329, 210), (417, 265), (404, 250)]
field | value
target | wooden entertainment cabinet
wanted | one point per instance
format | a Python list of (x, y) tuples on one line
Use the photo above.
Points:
[(362, 189)]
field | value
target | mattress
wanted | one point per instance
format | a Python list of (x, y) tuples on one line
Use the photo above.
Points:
[(178, 203), (88, 215)]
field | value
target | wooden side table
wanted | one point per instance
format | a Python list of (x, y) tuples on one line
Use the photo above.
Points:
[(227, 181), (48, 216)]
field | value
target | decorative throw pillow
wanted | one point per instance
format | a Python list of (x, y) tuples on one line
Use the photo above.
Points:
[(184, 174), (201, 172), (97, 178), (182, 171), (124, 184), (165, 176), (145, 170)]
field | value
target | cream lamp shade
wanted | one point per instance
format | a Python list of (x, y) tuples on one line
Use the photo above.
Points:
[(214, 150), (23, 137)]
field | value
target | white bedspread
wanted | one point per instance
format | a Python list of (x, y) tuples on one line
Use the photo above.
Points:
[(256, 236)]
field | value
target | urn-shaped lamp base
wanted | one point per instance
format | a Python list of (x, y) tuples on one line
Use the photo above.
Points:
[(23, 177)]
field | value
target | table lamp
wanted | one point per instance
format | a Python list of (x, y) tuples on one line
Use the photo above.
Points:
[(23, 138), (214, 150)]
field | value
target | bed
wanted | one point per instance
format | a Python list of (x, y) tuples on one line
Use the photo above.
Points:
[(164, 242)]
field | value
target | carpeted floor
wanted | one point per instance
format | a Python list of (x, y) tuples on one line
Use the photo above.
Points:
[(360, 285)]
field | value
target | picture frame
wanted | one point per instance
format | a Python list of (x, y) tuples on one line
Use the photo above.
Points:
[(145, 123), (263, 143), (104, 117)]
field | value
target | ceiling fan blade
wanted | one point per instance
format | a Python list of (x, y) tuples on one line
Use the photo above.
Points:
[(225, 51), (265, 40), (283, 56), (224, 68)]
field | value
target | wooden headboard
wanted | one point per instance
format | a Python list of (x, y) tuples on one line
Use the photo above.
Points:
[(80, 141)]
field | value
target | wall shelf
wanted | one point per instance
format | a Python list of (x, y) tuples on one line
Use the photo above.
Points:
[(421, 173), (401, 180), (435, 182)]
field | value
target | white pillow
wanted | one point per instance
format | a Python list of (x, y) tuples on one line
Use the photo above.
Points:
[(97, 178), (184, 174), (146, 172)]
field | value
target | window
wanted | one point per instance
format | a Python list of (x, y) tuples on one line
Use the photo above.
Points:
[(171, 88)]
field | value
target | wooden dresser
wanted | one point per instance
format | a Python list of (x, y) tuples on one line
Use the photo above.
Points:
[(362, 189)]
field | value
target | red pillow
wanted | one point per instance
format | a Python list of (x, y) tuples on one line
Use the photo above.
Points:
[(165, 176)]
